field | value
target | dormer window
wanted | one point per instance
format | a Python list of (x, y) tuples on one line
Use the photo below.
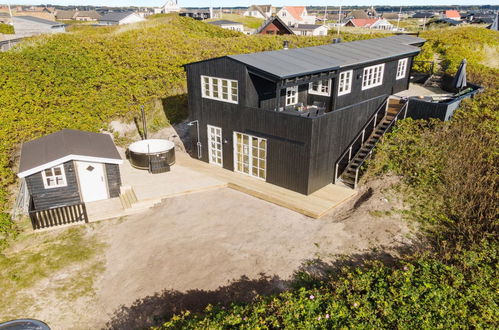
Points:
[(321, 87), (219, 89), (54, 177)]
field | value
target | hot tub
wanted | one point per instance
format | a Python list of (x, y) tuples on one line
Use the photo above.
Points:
[(158, 152)]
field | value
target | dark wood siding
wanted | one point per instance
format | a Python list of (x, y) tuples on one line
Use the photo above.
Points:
[(390, 84), (332, 134), (54, 197), (113, 179)]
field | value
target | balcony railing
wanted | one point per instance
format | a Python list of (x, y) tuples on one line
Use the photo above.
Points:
[(299, 109)]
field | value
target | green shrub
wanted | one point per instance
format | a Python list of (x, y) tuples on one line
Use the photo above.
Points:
[(6, 29), (419, 293)]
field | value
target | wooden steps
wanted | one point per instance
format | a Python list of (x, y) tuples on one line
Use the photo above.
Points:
[(351, 173)]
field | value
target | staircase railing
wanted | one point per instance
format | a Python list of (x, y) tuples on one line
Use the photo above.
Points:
[(363, 159), (360, 139)]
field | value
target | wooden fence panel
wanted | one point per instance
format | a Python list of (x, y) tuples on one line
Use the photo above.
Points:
[(58, 216)]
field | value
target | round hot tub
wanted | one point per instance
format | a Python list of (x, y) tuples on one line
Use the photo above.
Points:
[(142, 153)]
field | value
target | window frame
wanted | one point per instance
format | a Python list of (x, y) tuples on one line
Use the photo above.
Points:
[(341, 79), (401, 68), (320, 85), (295, 95), (62, 176), (374, 75), (216, 87)]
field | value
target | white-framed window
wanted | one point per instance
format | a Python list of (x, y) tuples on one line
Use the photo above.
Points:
[(291, 95), (373, 76), (401, 68), (54, 177), (345, 82), (219, 89), (321, 87)]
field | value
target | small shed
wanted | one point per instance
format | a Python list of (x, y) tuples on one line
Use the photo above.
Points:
[(228, 25), (29, 26), (70, 167)]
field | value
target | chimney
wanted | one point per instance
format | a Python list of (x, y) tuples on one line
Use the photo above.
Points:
[(286, 44), (336, 40)]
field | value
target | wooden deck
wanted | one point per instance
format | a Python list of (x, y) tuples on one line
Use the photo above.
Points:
[(314, 205)]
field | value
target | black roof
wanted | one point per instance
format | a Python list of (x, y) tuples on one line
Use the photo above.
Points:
[(284, 64), (423, 15), (67, 142), (115, 16), (270, 21), (224, 22), (39, 20)]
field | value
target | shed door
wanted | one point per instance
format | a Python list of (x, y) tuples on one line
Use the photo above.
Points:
[(92, 180)]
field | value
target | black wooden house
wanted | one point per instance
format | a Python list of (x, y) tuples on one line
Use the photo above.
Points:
[(65, 170), (299, 118)]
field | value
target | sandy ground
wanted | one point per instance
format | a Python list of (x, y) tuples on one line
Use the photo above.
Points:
[(215, 247)]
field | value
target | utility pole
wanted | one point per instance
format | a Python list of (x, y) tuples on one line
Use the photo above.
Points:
[(398, 19), (325, 15), (339, 21)]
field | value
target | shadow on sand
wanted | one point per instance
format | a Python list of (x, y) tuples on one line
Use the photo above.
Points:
[(160, 307)]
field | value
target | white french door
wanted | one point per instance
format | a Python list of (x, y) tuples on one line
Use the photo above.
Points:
[(215, 145), (250, 155)]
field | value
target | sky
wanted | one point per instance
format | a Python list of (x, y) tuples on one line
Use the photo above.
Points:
[(233, 3)]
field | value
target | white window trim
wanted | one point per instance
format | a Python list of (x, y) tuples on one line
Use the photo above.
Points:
[(63, 175), (295, 88), (210, 149), (348, 88), (206, 95), (401, 68), (380, 75), (311, 91)]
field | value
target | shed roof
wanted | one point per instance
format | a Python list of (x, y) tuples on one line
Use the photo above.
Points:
[(116, 16), (283, 64), (65, 145), (38, 20)]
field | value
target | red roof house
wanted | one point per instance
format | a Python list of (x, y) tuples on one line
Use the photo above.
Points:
[(452, 14)]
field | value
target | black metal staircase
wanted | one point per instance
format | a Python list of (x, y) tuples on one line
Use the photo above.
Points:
[(348, 168)]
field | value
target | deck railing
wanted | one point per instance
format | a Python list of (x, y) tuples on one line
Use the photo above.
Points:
[(58, 216), (363, 159), (364, 134)]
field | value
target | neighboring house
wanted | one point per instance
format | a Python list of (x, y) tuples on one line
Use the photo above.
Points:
[(120, 18), (287, 116), (444, 21), (229, 25), (171, 6), (5, 18), (452, 14), (197, 14), (423, 15), (25, 26), (87, 16), (370, 23), (310, 30), (358, 14), (65, 15), (391, 15), (275, 26), (292, 15), (259, 11), (69, 168)]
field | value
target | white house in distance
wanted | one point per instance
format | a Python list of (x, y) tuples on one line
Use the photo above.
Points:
[(229, 25), (310, 30), (120, 18), (259, 11), (292, 15), (370, 23), (171, 6), (25, 26)]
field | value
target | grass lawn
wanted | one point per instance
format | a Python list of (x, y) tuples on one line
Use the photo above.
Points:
[(26, 267), (249, 22)]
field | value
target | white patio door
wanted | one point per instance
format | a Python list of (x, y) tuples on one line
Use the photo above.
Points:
[(250, 155), (92, 181), (215, 153)]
